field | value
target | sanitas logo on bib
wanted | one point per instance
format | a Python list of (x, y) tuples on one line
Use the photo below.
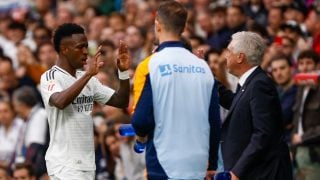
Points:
[(167, 69)]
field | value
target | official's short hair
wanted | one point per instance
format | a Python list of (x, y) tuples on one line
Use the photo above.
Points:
[(309, 54), (251, 44), (173, 16), (25, 95), (63, 31)]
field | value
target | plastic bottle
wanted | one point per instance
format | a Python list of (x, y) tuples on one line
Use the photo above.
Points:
[(139, 147), (128, 130), (223, 176)]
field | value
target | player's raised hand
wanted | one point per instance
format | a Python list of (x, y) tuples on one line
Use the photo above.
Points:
[(94, 63), (123, 59)]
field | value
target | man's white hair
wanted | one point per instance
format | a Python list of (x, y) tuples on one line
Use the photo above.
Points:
[(249, 43)]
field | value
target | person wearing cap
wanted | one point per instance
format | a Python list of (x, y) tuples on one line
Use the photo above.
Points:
[(293, 30)]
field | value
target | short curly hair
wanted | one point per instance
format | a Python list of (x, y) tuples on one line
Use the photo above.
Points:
[(309, 53), (65, 30)]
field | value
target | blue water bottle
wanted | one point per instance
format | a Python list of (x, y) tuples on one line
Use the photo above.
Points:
[(128, 130), (139, 147), (223, 176)]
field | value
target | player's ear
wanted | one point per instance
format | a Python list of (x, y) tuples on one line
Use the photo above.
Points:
[(63, 49), (157, 25)]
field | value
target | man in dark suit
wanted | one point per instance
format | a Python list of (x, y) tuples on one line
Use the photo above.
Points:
[(252, 142)]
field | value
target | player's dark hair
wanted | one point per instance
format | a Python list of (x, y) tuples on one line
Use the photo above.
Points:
[(63, 31)]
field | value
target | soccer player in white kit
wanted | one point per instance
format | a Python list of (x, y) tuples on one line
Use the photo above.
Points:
[(68, 94)]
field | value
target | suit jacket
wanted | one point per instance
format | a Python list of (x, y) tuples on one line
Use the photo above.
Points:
[(311, 109), (310, 124), (252, 140)]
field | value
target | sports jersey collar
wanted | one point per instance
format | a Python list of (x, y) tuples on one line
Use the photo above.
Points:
[(169, 44), (60, 69)]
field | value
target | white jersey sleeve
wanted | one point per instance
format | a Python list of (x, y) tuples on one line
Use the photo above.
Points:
[(49, 85), (102, 94)]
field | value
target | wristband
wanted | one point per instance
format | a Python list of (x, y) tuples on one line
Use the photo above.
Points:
[(124, 75)]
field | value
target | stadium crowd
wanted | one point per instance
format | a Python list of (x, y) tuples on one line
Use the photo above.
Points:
[(290, 28)]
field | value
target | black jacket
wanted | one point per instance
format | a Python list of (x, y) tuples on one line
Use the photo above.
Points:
[(252, 140)]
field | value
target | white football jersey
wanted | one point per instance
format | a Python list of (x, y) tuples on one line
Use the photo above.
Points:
[(71, 128)]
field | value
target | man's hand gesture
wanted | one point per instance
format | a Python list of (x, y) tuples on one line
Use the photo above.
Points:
[(123, 59), (94, 63)]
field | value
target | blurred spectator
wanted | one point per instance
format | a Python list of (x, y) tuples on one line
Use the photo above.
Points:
[(28, 65), (259, 29), (4, 26), (114, 163), (106, 33), (41, 7), (196, 43), (65, 12), (117, 22), (131, 10), (16, 34), (282, 73), (35, 136), (133, 164), (9, 81), (41, 34), (10, 133), (306, 132), (4, 174), (46, 55), (23, 171), (288, 48), (236, 19), (256, 11), (275, 19), (221, 36), (100, 159), (49, 20), (295, 11), (104, 78), (292, 30), (135, 39), (312, 23), (145, 15), (280, 45), (108, 57), (204, 26), (81, 6), (96, 25)]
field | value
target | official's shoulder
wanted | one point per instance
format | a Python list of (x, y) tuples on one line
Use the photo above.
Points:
[(143, 65)]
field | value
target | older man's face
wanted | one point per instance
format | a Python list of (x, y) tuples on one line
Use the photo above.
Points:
[(231, 57)]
